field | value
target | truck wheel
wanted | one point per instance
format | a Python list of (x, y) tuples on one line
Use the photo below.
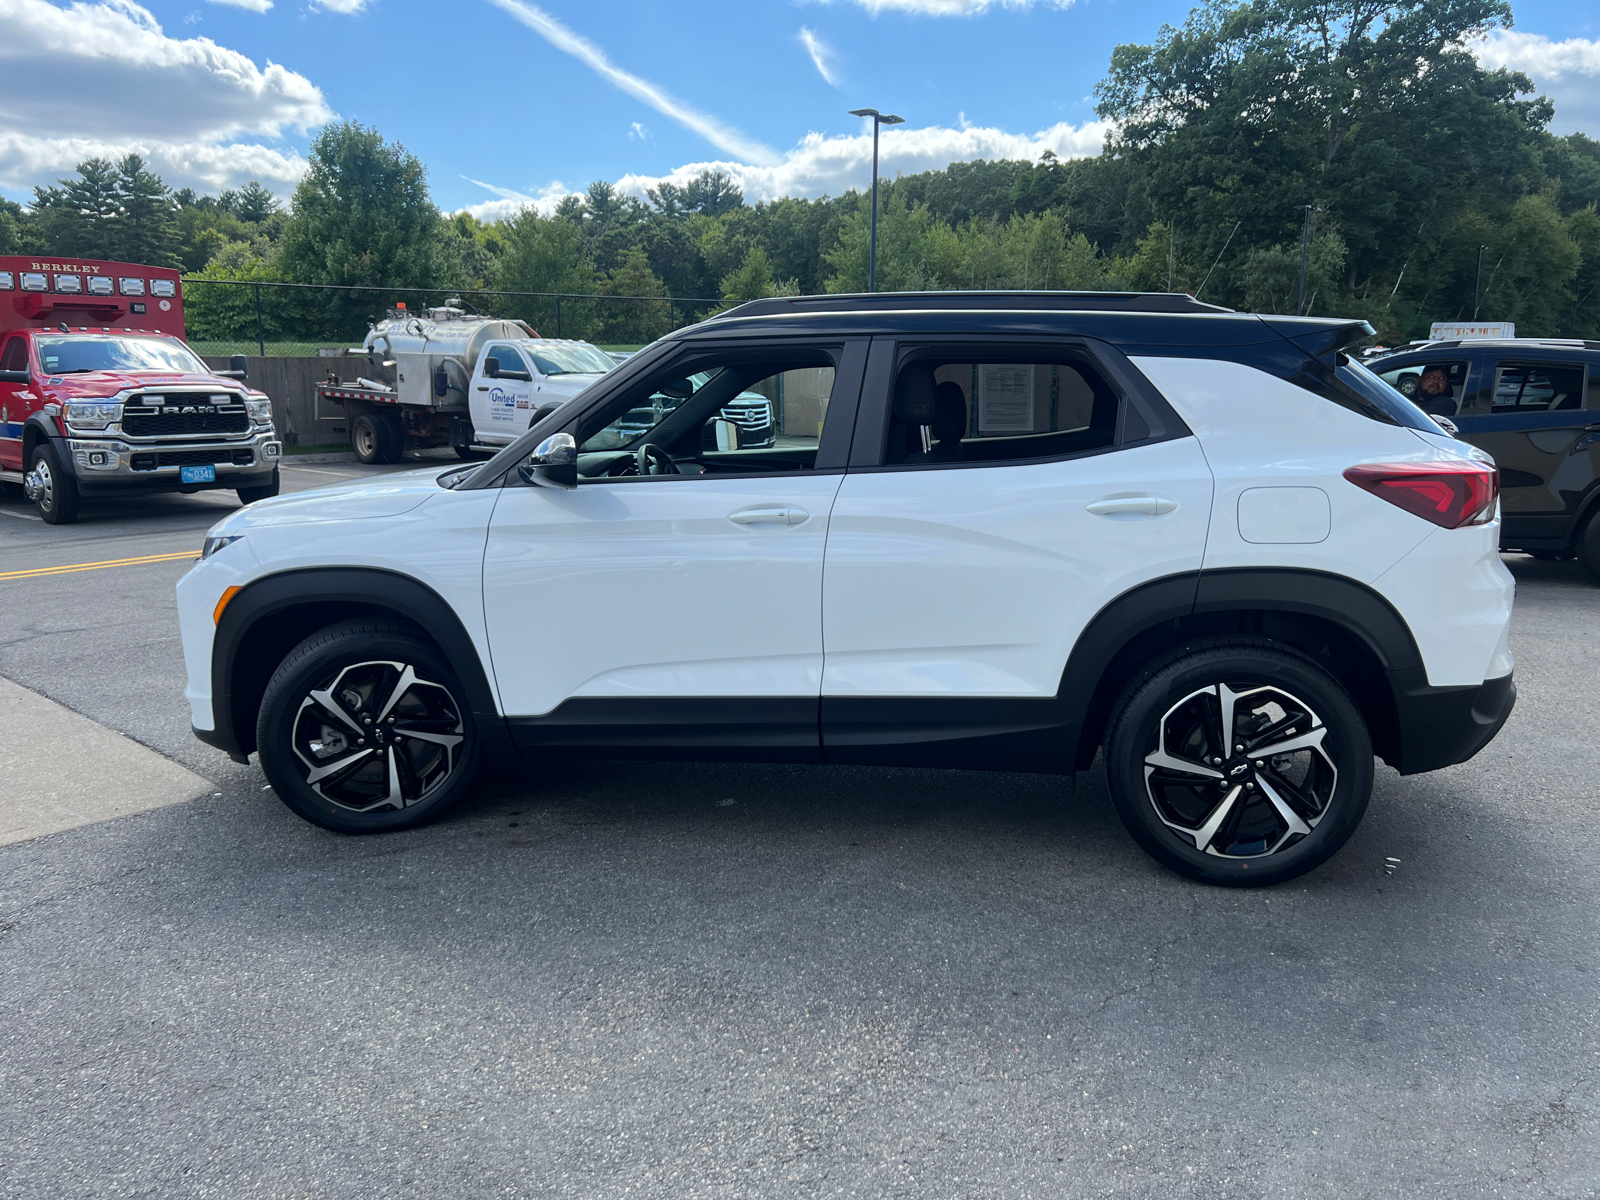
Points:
[(250, 495), (392, 439), (52, 492), (366, 439), (1238, 762), (364, 728), (1588, 546)]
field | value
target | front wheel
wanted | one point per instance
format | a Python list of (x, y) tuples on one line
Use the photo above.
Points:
[(1588, 546), (249, 495), (364, 728), (1239, 763), (48, 486)]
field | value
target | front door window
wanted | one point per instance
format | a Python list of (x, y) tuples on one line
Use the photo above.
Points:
[(1438, 387)]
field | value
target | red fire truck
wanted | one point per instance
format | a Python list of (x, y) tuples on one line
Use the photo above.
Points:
[(101, 397)]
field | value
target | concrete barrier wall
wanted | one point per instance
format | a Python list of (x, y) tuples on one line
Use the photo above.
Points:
[(291, 385)]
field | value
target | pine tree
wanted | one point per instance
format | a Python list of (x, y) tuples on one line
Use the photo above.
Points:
[(86, 211), (147, 231)]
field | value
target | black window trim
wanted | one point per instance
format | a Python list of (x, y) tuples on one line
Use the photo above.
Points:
[(890, 352)]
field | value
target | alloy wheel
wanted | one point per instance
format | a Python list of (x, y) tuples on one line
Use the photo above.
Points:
[(377, 736), (39, 484), (1240, 770)]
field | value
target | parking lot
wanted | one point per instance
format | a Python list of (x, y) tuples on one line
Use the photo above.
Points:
[(679, 980)]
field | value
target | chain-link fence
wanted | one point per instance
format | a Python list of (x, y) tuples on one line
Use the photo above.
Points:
[(227, 316)]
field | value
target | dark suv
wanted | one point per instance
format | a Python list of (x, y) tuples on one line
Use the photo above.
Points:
[(1535, 405)]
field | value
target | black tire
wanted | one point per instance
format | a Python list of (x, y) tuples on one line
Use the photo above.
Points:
[(56, 495), (1588, 547), (1262, 825), (392, 443), (366, 438), (266, 491), (425, 754)]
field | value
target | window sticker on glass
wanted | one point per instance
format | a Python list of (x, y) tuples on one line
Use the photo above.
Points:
[(1005, 398)]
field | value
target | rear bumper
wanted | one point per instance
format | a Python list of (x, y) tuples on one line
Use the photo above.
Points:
[(1440, 727)]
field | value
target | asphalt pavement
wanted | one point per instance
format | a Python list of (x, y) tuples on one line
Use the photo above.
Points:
[(681, 980)]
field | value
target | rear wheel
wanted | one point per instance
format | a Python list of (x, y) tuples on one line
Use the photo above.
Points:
[(48, 486), (364, 728), (366, 438), (1239, 763), (391, 440)]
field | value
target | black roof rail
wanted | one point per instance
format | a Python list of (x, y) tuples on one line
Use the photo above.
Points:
[(1133, 302)]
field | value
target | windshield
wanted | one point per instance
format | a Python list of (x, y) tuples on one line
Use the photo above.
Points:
[(71, 353), (571, 360)]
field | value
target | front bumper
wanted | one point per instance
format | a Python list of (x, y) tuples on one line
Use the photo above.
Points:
[(112, 465), (1440, 727)]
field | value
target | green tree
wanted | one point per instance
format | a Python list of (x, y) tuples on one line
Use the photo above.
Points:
[(361, 215), (78, 217), (146, 226)]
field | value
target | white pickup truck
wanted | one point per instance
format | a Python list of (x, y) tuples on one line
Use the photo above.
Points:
[(450, 377)]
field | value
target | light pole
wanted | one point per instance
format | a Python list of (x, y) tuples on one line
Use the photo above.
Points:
[(878, 119), (1305, 247), (1477, 283)]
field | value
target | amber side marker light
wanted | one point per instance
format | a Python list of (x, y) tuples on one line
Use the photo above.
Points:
[(1450, 494), (227, 595)]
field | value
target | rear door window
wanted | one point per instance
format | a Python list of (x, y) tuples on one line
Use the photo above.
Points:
[(1437, 387), (994, 411), (1537, 387)]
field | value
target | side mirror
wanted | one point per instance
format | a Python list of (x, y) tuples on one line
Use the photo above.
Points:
[(241, 364), (13, 377), (727, 433), (680, 389), (491, 368), (553, 463)]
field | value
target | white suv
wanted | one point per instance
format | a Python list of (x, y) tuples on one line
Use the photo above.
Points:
[(1025, 528)]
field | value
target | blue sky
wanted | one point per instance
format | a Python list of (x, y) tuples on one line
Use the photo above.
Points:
[(534, 100)]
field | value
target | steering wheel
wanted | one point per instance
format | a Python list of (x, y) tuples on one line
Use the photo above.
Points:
[(653, 460)]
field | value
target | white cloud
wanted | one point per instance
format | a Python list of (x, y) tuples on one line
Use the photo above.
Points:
[(719, 134), (259, 6), (512, 202), (349, 7), (829, 165), (952, 8), (822, 55), (637, 132), (195, 99), (1565, 71)]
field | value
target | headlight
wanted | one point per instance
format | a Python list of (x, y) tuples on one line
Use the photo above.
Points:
[(213, 544), (260, 410), (93, 415)]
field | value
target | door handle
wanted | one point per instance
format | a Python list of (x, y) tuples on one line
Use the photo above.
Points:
[(1139, 506), (483, 387), (1592, 428), (776, 514)]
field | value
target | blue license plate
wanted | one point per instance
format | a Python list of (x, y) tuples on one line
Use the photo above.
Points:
[(207, 474)]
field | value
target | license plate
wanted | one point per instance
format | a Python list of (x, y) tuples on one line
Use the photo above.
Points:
[(206, 474)]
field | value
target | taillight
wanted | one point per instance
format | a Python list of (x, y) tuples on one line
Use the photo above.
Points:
[(1450, 493)]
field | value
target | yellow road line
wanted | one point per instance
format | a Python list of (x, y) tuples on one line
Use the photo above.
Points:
[(99, 566)]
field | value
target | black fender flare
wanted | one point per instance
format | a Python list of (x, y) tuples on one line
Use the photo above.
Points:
[(41, 427), (1089, 682), (298, 602)]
